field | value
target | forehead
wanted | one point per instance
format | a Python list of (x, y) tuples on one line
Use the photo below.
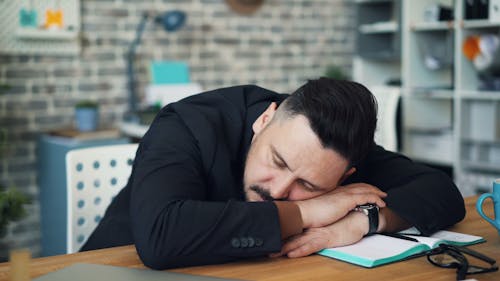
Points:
[(300, 147)]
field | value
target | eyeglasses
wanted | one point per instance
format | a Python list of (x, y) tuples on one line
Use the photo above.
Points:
[(448, 256)]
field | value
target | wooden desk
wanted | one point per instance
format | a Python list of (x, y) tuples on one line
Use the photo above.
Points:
[(309, 268)]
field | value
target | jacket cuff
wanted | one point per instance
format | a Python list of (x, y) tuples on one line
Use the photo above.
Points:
[(290, 218)]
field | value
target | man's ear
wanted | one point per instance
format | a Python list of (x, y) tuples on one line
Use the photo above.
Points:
[(264, 118), (347, 174)]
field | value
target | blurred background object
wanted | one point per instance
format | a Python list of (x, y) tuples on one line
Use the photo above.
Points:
[(40, 27), (476, 9), (438, 12), (436, 56), (11, 207), (28, 16), (12, 201), (483, 51), (171, 21), (245, 7), (335, 71), (87, 115)]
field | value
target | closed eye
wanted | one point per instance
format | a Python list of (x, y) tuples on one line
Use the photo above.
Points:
[(309, 187), (279, 162)]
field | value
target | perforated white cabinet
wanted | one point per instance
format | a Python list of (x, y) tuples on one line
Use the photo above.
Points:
[(95, 175), (51, 153)]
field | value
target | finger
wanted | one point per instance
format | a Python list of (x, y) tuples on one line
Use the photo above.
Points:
[(363, 188), (358, 197), (305, 249), (292, 244), (275, 255), (368, 189), (379, 193), (361, 199)]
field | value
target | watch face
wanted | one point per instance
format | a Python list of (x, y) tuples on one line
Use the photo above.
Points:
[(367, 206)]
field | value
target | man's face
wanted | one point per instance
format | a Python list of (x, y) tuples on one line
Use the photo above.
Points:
[(286, 161)]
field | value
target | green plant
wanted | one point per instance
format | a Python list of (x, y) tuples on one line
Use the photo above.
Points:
[(11, 207), (12, 201), (86, 104), (336, 72), (4, 88)]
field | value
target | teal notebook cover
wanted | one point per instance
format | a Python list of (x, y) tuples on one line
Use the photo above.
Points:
[(376, 250)]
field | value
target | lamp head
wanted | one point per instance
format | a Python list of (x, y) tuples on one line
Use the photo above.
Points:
[(171, 20)]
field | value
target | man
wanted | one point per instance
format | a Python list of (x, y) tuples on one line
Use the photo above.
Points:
[(243, 172)]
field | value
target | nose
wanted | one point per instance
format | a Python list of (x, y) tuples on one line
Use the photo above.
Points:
[(282, 185)]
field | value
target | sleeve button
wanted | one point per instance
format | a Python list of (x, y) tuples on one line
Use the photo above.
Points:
[(258, 242), (244, 242), (235, 243), (251, 242)]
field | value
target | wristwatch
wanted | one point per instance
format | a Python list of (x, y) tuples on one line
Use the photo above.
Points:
[(371, 210)]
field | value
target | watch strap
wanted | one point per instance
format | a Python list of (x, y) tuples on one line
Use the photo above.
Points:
[(372, 220), (371, 211)]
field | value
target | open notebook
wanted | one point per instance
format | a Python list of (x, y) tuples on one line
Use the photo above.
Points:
[(98, 272), (379, 249)]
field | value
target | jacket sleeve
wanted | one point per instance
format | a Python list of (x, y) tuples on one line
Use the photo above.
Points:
[(174, 222), (426, 198)]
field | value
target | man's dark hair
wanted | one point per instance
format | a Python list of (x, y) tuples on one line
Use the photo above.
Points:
[(343, 114)]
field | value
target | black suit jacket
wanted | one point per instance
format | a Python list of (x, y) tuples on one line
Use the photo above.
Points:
[(184, 202)]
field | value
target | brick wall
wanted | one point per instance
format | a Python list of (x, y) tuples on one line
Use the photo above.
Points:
[(279, 47)]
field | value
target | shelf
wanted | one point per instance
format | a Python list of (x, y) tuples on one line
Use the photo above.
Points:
[(480, 95), (381, 56), (372, 1), (43, 34), (428, 130), (493, 167), (432, 26), (431, 93), (16, 39), (133, 129), (432, 161), (379, 27), (479, 24), (467, 140)]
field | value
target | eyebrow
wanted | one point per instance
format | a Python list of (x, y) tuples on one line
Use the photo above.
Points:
[(280, 158)]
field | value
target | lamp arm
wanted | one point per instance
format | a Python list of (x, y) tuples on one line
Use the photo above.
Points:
[(132, 97)]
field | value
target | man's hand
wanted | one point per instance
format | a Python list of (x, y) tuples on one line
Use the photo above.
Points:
[(346, 231), (334, 205)]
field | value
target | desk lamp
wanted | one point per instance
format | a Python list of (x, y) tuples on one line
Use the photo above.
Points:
[(171, 22)]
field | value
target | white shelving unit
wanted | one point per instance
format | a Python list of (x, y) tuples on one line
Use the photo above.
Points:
[(379, 27), (19, 39), (447, 119), (379, 41), (428, 93), (39, 34), (377, 61)]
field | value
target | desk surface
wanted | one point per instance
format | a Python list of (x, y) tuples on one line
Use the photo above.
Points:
[(309, 268)]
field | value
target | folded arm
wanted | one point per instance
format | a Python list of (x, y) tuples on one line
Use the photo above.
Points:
[(416, 196), (424, 197)]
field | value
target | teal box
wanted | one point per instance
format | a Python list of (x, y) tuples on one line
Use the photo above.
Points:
[(169, 72)]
